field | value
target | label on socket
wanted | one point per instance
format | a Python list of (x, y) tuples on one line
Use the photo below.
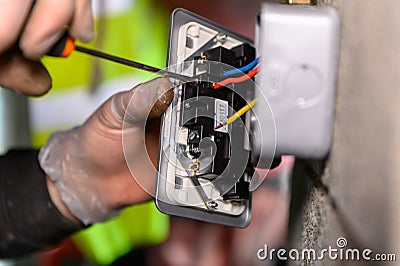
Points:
[(221, 115)]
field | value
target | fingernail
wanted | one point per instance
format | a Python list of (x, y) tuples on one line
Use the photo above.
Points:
[(164, 85), (165, 95)]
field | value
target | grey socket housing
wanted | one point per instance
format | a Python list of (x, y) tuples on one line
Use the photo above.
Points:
[(192, 37)]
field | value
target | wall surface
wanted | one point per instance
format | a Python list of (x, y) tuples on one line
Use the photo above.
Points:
[(355, 193), (14, 121)]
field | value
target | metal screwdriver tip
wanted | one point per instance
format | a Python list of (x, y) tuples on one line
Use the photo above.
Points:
[(219, 126)]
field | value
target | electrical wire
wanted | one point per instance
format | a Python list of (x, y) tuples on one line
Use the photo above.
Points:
[(243, 78), (245, 68), (238, 114)]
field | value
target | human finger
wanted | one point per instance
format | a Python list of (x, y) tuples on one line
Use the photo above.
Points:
[(23, 75), (13, 14), (148, 100), (81, 26), (47, 23)]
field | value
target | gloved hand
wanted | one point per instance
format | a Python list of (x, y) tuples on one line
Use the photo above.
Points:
[(87, 163), (27, 33)]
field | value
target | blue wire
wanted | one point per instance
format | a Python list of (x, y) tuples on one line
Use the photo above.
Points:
[(242, 69)]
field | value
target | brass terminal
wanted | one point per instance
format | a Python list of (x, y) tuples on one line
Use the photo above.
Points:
[(194, 167), (299, 2)]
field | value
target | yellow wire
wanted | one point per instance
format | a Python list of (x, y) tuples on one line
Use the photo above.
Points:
[(239, 113)]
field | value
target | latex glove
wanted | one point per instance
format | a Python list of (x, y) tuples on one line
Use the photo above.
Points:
[(87, 164), (35, 30)]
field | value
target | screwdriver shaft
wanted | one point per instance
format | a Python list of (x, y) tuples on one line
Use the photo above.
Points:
[(133, 64)]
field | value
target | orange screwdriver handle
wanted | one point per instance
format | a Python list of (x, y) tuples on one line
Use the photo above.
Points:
[(63, 47)]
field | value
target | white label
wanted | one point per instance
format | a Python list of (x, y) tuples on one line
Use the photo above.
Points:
[(221, 115)]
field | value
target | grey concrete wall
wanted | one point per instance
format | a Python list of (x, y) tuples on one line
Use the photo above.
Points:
[(356, 193), (14, 121)]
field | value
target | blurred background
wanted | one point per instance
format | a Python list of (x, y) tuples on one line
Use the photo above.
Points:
[(351, 194), (141, 235)]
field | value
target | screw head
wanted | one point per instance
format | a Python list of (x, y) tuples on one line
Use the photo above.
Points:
[(193, 135), (212, 204), (222, 37)]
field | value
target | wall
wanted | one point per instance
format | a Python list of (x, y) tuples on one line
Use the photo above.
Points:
[(14, 124), (355, 192)]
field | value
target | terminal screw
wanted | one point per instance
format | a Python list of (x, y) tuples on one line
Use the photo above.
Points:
[(211, 204), (193, 135)]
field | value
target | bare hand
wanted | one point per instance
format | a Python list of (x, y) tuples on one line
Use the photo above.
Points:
[(28, 32)]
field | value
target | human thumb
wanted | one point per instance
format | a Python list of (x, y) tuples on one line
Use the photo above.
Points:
[(146, 101)]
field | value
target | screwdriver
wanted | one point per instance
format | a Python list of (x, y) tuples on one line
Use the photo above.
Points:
[(66, 45)]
